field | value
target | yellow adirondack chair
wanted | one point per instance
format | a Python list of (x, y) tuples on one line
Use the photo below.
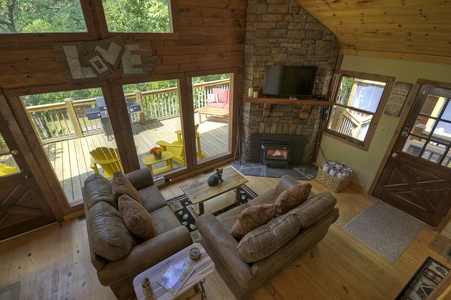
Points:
[(108, 159), (176, 147), (7, 170)]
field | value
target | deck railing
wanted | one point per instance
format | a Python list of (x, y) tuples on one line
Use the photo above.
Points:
[(68, 119)]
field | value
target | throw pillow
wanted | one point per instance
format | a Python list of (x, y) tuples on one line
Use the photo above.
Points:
[(292, 197), (121, 186), (223, 95), (213, 98), (252, 218), (109, 236), (268, 238), (136, 218)]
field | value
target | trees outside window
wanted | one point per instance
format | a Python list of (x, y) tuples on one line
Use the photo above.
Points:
[(359, 100), (137, 15), (38, 16)]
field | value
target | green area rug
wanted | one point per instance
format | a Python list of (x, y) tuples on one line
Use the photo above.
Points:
[(179, 205), (384, 228)]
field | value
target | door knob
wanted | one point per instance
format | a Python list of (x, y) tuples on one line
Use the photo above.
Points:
[(394, 155), (15, 152)]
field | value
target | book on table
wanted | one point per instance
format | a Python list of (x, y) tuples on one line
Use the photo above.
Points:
[(175, 276)]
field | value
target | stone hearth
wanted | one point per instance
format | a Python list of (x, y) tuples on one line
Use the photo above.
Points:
[(281, 32)]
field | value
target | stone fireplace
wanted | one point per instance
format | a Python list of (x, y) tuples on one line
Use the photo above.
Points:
[(282, 32)]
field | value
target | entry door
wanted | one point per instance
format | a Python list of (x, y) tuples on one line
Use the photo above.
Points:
[(417, 177), (22, 204)]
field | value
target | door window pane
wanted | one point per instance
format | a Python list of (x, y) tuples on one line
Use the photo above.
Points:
[(76, 135), (8, 164), (25, 16), (156, 124), (212, 104), (137, 15), (430, 137)]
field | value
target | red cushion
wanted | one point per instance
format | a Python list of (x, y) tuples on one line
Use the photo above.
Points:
[(223, 94)]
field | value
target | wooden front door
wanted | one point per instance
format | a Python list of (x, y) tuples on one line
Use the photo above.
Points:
[(417, 176), (23, 206)]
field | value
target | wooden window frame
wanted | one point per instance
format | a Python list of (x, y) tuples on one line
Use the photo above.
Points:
[(364, 145)]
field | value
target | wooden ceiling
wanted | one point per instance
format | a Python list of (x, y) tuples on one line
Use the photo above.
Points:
[(403, 29)]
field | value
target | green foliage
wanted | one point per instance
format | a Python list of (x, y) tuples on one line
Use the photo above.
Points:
[(137, 15), (24, 16), (149, 86), (55, 97)]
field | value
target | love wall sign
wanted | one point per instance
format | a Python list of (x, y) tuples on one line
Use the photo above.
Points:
[(91, 61)]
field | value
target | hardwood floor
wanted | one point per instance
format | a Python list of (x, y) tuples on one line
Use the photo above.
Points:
[(53, 262)]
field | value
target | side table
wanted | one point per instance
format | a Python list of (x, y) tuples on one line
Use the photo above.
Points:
[(150, 160), (194, 284)]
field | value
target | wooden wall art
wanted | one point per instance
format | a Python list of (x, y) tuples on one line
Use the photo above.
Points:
[(397, 98), (91, 61)]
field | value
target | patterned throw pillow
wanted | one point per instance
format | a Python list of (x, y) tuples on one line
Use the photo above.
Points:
[(136, 218), (252, 218), (292, 197), (121, 186)]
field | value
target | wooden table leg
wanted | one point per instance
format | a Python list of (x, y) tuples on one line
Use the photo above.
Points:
[(201, 208)]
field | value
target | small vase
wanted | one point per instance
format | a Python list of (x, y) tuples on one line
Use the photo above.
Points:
[(157, 156)]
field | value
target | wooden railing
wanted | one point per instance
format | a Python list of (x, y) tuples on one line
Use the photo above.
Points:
[(64, 120), (350, 124)]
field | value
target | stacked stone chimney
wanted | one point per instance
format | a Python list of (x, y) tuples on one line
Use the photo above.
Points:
[(281, 32)]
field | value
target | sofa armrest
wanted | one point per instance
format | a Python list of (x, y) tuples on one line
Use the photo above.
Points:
[(223, 246), (285, 182), (140, 178), (145, 255)]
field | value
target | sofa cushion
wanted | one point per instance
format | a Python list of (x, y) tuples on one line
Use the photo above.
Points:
[(122, 186), (136, 218), (110, 238), (223, 94), (212, 98), (314, 208), (268, 238), (97, 188), (251, 218), (292, 197)]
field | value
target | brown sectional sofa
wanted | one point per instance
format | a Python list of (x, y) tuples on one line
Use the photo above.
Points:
[(247, 264), (117, 255)]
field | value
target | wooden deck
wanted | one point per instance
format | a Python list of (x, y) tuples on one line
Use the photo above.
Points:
[(71, 160)]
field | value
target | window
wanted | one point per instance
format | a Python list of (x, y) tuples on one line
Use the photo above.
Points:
[(37, 16), (359, 101), (137, 15), (430, 137)]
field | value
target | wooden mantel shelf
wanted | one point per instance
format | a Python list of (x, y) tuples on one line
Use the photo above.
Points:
[(306, 104)]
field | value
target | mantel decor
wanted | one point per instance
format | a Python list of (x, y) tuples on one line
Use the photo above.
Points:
[(306, 104)]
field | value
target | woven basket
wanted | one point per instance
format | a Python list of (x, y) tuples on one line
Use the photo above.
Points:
[(333, 183)]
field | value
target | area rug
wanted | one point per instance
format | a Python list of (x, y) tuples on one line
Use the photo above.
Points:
[(10, 292), (384, 228), (179, 205), (423, 282), (258, 169)]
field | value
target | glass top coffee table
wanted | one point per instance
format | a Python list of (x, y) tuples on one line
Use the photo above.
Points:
[(199, 191)]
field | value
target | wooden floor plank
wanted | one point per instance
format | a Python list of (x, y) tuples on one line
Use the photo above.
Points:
[(53, 262)]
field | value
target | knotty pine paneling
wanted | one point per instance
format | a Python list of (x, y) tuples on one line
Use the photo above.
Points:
[(417, 28), (208, 35)]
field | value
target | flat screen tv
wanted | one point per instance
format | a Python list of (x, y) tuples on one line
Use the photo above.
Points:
[(289, 81)]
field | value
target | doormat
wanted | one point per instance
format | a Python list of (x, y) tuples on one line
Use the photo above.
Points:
[(384, 228), (11, 292), (258, 169), (179, 205), (423, 282)]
